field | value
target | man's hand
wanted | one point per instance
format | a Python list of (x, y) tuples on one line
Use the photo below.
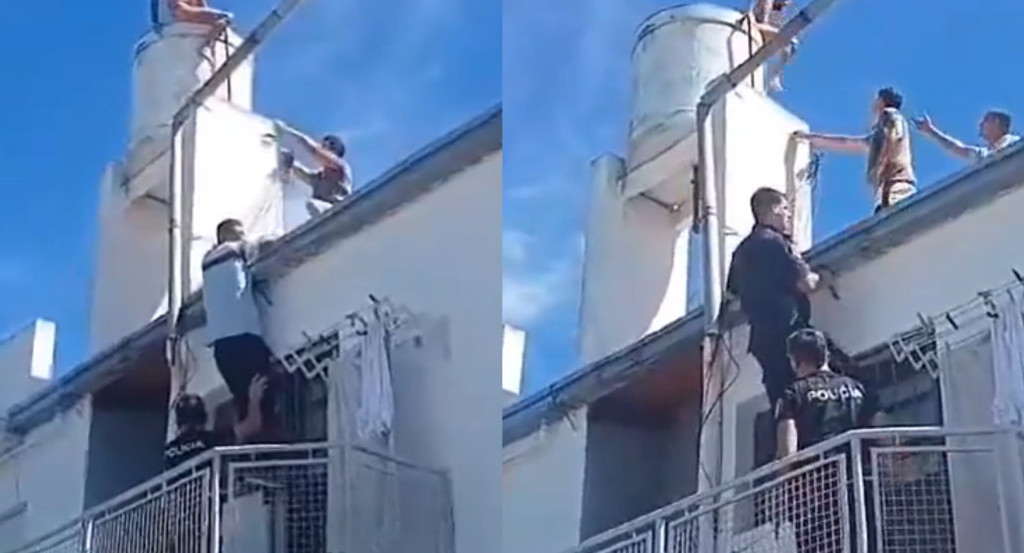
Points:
[(257, 388), (924, 123)]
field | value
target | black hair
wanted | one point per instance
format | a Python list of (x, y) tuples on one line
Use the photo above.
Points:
[(808, 346), (190, 411), (335, 144), (226, 225), (890, 97), (763, 200), (1001, 117)]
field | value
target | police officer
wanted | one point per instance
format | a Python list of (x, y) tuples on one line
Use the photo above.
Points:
[(194, 438), (819, 405), (772, 282)]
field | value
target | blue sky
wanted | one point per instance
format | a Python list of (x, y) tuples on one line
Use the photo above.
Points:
[(567, 91), (389, 76)]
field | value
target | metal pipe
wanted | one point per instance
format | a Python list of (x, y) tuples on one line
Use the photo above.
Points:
[(711, 225), (715, 91), (175, 284)]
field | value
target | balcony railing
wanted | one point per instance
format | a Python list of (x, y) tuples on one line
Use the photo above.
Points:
[(310, 498), (906, 490)]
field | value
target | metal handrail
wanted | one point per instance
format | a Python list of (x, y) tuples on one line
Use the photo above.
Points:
[(212, 456), (849, 438)]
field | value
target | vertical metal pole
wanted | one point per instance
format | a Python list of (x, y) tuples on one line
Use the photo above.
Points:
[(175, 284), (860, 515), (215, 508)]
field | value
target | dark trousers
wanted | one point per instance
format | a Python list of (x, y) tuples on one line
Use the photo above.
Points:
[(239, 359)]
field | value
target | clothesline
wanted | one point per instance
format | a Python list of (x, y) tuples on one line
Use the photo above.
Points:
[(311, 356), (968, 314)]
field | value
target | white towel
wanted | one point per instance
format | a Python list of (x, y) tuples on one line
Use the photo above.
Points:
[(376, 398), (1008, 363)]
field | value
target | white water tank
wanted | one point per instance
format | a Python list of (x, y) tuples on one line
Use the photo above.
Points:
[(172, 62), (678, 51)]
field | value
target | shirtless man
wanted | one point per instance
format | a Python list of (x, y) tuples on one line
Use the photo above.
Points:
[(197, 11), (332, 183), (769, 16), (167, 12), (890, 170)]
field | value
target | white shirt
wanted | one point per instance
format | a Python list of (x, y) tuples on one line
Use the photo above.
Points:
[(228, 295), (979, 152)]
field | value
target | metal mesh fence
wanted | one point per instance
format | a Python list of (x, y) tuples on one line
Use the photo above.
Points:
[(910, 499), (938, 491), (170, 516), (310, 498)]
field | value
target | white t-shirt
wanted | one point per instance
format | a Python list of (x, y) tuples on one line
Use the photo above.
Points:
[(979, 152), (228, 295)]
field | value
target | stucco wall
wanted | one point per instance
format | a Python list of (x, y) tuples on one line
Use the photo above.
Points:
[(438, 257), (26, 362), (542, 488), (47, 472)]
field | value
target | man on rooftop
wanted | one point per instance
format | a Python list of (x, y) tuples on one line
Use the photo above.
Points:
[(332, 182), (994, 129), (890, 170), (769, 16)]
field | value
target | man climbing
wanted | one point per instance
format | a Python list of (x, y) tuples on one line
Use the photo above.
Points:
[(890, 171), (233, 323), (193, 437), (332, 183), (194, 11), (769, 16), (818, 405), (994, 129)]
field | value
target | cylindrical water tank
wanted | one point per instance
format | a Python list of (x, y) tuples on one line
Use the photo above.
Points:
[(171, 63), (678, 51)]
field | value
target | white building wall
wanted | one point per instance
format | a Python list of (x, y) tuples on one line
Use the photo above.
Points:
[(436, 256), (26, 362), (542, 488), (46, 473)]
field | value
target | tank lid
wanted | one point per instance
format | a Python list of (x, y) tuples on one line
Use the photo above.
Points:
[(687, 12)]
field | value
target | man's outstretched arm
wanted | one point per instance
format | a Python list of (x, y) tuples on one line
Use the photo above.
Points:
[(947, 142), (835, 142)]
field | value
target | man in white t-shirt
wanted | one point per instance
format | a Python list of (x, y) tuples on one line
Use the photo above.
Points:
[(233, 325), (994, 129)]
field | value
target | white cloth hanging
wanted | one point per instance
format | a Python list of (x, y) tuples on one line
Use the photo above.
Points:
[(1008, 362), (376, 398)]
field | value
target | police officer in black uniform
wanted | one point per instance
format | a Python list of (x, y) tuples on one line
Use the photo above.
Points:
[(818, 405), (194, 438), (772, 282)]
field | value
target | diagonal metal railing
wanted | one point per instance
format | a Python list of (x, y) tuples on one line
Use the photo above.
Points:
[(905, 490), (308, 498)]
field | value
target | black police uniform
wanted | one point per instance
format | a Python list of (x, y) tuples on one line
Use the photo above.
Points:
[(823, 405), (764, 274)]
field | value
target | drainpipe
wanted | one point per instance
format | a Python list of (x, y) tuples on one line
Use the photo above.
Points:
[(175, 277), (711, 225)]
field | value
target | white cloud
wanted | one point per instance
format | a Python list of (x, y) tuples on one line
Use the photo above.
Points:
[(529, 292)]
